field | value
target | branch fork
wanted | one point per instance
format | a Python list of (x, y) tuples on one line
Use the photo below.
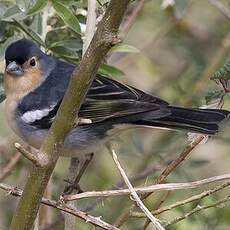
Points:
[(37, 158)]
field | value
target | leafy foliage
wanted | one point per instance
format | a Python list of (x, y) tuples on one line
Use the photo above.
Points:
[(223, 72)]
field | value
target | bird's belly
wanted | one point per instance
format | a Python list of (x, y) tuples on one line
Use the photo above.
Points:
[(77, 142)]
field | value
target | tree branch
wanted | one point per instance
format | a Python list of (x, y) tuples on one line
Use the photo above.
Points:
[(38, 159), (148, 189), (104, 38), (183, 202), (198, 209), (187, 150), (133, 194), (221, 7), (9, 166), (63, 207), (90, 24)]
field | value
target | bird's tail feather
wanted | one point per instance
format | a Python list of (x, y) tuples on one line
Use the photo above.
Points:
[(203, 121)]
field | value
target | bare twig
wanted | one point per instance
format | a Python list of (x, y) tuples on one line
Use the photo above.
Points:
[(87, 159), (73, 172), (7, 169), (141, 175), (218, 204), (37, 158), (148, 189), (131, 18), (134, 195), (63, 207), (188, 149), (90, 24), (221, 7), (183, 202), (70, 220)]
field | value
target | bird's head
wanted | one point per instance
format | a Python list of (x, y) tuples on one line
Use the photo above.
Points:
[(26, 67)]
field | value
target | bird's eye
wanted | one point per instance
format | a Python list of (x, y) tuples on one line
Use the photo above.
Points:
[(33, 61)]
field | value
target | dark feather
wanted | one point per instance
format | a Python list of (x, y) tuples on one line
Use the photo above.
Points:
[(111, 101)]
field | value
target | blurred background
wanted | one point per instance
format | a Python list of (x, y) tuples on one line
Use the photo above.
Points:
[(170, 51)]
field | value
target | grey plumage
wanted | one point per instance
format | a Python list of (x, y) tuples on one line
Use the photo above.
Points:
[(108, 104)]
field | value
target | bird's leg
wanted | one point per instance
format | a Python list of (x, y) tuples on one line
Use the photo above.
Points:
[(76, 173)]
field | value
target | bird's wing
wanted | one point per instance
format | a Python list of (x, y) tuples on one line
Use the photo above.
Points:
[(106, 99)]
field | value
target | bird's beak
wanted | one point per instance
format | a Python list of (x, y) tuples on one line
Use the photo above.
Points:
[(14, 69)]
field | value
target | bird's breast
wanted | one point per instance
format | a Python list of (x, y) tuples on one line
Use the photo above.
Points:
[(10, 111)]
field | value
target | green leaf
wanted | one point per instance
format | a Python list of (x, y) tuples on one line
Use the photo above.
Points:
[(38, 6), (64, 53), (12, 13), (124, 48), (78, 3), (223, 72), (212, 96), (3, 9), (2, 93), (2, 96), (23, 4), (71, 44), (36, 24), (67, 16), (30, 32), (109, 70)]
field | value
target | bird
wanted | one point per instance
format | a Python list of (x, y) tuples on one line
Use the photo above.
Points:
[(35, 84)]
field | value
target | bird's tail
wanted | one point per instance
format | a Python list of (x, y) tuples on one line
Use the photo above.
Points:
[(203, 121)]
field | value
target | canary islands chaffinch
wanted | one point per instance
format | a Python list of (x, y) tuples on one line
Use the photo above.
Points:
[(35, 84)]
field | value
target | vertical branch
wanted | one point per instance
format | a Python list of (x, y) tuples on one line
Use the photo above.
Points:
[(70, 220), (104, 38), (90, 24)]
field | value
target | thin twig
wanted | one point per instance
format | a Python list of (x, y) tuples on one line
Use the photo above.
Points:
[(73, 171), (7, 169), (131, 18), (120, 184), (221, 7), (90, 24), (133, 194), (70, 220), (63, 207), (87, 159), (183, 202), (76, 170), (187, 150), (170, 168), (198, 209), (37, 158), (148, 189)]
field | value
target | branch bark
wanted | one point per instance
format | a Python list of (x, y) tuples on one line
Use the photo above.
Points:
[(104, 38), (63, 207), (8, 168), (148, 189), (134, 196), (183, 202), (218, 204), (175, 163)]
